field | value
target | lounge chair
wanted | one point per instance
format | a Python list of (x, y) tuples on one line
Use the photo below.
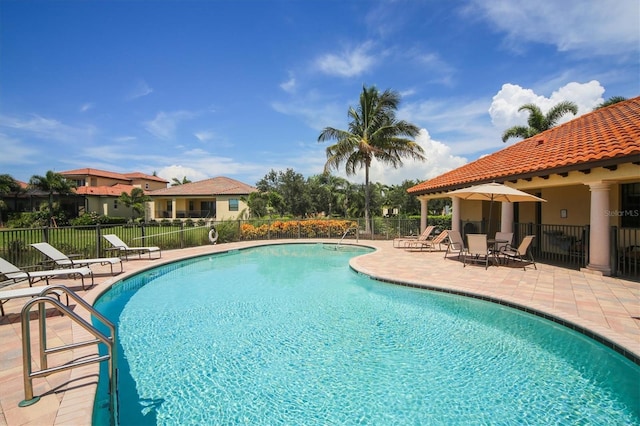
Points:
[(17, 293), (520, 253), (456, 243), (478, 250), (12, 272), (403, 242), (431, 244), (65, 261), (124, 249)]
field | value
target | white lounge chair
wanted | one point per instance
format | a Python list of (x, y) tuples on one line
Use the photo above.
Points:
[(12, 272), (17, 293), (404, 242), (124, 249), (65, 261)]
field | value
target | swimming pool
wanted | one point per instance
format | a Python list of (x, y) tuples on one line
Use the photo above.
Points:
[(288, 334)]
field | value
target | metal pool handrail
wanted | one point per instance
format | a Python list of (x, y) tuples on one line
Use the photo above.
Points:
[(45, 370)]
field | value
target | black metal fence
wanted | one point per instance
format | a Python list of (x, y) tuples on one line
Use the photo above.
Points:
[(562, 245)]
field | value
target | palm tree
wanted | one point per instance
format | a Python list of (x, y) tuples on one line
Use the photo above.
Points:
[(539, 122), (374, 132), (52, 183), (176, 181), (612, 100), (135, 200)]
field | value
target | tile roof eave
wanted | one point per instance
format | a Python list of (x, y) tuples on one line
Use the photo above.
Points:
[(632, 158)]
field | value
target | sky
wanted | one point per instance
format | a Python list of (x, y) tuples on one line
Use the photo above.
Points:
[(200, 89)]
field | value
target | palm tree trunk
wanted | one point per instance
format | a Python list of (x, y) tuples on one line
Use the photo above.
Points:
[(367, 196)]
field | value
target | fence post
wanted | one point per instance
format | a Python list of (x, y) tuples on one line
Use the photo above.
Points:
[(98, 240), (587, 241), (613, 250), (181, 234)]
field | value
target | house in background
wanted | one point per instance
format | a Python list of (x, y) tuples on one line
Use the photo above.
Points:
[(587, 170), (218, 198), (100, 189)]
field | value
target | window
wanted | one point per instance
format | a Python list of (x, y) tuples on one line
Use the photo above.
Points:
[(115, 204), (630, 205), (146, 186), (233, 205), (208, 208)]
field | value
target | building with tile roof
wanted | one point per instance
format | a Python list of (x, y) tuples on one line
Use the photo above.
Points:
[(100, 189), (218, 198), (588, 171)]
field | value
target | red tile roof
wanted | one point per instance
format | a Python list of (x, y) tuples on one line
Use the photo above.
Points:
[(138, 175), (112, 175), (112, 191), (213, 186), (605, 136)]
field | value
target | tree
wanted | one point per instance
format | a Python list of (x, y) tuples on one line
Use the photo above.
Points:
[(539, 122), (8, 185), (612, 100), (176, 181), (374, 133), (135, 200), (287, 192), (52, 183)]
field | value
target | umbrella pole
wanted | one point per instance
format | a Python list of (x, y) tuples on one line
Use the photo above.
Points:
[(490, 217)]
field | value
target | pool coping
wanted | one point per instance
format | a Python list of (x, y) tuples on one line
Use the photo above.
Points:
[(72, 401)]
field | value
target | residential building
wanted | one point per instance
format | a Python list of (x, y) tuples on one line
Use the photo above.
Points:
[(587, 170), (218, 198), (101, 189)]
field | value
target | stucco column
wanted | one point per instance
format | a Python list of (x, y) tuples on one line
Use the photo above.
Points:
[(455, 214), (599, 250), (424, 211), (506, 219), (174, 206)]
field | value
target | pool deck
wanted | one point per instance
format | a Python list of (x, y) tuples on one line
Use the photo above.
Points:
[(605, 306)]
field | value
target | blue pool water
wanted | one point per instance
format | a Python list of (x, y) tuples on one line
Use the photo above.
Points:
[(289, 334)]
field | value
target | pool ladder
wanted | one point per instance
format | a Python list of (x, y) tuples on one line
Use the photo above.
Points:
[(109, 341), (354, 228)]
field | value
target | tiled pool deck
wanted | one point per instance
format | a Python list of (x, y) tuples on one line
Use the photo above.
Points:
[(607, 307)]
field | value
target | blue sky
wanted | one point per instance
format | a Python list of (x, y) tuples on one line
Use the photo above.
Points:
[(237, 88)]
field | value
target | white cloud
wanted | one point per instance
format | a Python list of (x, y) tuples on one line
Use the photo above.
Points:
[(204, 136), (86, 107), (289, 86), (121, 139), (142, 89), (314, 109), (165, 124), (504, 108), (179, 172), (602, 27), (47, 129), (348, 63), (20, 153), (439, 160)]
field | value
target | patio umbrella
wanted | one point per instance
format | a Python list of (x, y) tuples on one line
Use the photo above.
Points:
[(494, 192)]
